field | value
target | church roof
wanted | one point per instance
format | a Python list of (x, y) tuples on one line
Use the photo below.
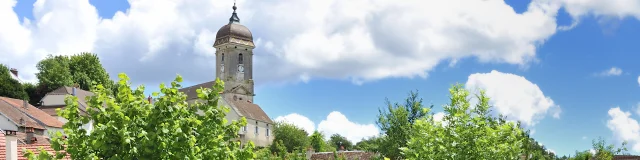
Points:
[(191, 91), (248, 109), (243, 107)]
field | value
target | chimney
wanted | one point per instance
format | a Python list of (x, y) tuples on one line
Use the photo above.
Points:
[(14, 71), (30, 135), (11, 143), (25, 104), (73, 91)]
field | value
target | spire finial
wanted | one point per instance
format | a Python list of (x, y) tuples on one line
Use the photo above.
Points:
[(234, 6), (234, 16)]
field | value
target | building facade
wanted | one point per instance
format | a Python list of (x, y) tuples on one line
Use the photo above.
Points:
[(234, 65)]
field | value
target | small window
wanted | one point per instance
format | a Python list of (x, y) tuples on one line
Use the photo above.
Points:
[(267, 132), (240, 59), (222, 57), (244, 128), (256, 129)]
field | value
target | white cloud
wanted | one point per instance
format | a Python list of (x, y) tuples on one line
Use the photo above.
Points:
[(514, 96), (308, 39), (616, 8), (336, 122), (584, 137), (438, 117), (298, 120), (613, 71), (638, 80), (624, 128)]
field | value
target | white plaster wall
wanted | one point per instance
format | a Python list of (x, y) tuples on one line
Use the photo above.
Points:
[(55, 100), (6, 124), (260, 138)]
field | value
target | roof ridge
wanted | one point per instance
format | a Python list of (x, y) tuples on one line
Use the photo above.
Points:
[(38, 122)]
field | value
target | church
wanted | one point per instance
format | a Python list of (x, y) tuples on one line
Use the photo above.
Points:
[(234, 65)]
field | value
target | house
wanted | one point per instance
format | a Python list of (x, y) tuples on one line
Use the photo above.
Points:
[(56, 100), (31, 125), (234, 65), (12, 149), (50, 124), (14, 74)]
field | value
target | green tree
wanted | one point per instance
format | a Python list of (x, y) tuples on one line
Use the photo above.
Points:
[(601, 150), (127, 126), (469, 132), (33, 92), (10, 87), (53, 73), (87, 69), (339, 141), (370, 144), (83, 69), (396, 121), (317, 141), (292, 137)]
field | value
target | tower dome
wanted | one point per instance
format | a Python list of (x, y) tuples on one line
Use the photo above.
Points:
[(234, 31)]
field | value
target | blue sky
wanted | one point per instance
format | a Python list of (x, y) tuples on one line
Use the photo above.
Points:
[(568, 69)]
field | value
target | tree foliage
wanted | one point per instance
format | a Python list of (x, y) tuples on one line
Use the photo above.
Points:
[(397, 121), (292, 137), (87, 69), (317, 141), (601, 151), (534, 150), (340, 142), (53, 73), (371, 144), (467, 133), (83, 69), (10, 87), (127, 126)]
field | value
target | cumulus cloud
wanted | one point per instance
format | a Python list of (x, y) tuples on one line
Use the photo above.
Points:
[(616, 8), (306, 39), (624, 127), (514, 96), (638, 80), (336, 122), (298, 120), (613, 71)]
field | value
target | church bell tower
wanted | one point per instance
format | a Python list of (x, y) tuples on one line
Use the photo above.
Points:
[(234, 58)]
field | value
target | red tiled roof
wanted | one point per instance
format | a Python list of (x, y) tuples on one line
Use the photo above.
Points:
[(15, 115), (35, 148), (38, 114)]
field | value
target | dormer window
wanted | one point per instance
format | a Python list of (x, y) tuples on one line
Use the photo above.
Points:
[(240, 59)]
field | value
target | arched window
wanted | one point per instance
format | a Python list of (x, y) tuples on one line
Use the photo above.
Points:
[(240, 59), (222, 57)]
